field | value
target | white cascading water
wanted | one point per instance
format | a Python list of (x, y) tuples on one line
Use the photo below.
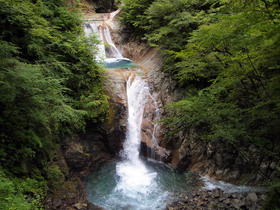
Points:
[(115, 52), (91, 29), (113, 58), (134, 177), (131, 183)]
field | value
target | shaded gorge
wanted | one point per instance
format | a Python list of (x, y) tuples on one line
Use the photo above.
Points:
[(129, 181)]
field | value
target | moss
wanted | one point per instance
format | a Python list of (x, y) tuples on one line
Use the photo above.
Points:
[(55, 177), (87, 154)]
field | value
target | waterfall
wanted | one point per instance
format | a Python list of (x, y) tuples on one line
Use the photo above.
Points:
[(134, 177), (115, 53), (130, 182), (91, 29), (108, 53)]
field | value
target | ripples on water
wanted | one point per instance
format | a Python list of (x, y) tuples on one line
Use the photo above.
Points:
[(150, 185)]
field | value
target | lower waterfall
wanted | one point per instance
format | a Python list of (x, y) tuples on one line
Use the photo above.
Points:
[(134, 177), (130, 182)]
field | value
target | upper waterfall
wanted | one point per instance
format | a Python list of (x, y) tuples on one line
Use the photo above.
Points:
[(91, 29), (114, 52), (108, 53)]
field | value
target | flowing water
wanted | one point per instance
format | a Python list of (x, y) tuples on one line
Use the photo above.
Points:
[(91, 29), (131, 182), (107, 52), (120, 185)]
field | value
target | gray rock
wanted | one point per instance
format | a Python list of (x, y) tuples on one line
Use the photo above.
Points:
[(57, 203), (227, 201), (252, 196), (80, 205), (71, 195), (263, 197)]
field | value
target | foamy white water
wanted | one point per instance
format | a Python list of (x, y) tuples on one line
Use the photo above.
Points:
[(91, 29), (211, 184), (113, 58), (130, 183), (115, 53), (134, 176)]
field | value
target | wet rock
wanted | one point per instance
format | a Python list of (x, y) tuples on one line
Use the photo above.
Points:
[(75, 156), (80, 206), (252, 196), (115, 87), (91, 206), (217, 199), (84, 152), (200, 202), (226, 201), (71, 195), (263, 197), (57, 203), (103, 5)]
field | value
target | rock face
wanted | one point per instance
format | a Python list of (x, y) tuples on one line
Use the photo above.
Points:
[(102, 5), (66, 191), (115, 86), (85, 152), (187, 150), (217, 199), (221, 163)]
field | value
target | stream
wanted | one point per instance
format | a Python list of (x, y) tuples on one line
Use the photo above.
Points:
[(130, 182)]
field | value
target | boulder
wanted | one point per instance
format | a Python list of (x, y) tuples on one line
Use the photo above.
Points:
[(217, 199), (252, 196), (85, 152), (91, 206), (80, 206)]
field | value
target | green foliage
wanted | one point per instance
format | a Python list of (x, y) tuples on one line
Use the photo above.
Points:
[(133, 14), (233, 63), (50, 86), (273, 202), (167, 24), (55, 178), (226, 55), (18, 193)]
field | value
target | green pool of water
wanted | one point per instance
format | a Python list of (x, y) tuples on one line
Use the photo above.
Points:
[(104, 187)]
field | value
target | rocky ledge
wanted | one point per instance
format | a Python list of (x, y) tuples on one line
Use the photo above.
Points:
[(218, 199)]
